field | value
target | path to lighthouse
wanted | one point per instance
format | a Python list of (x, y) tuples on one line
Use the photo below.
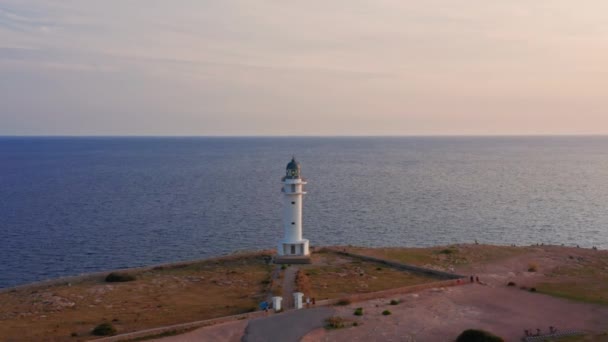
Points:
[(289, 286)]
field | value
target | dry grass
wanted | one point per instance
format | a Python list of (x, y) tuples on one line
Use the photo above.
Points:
[(340, 277), (585, 338), (303, 282), (161, 296), (445, 257), (581, 278)]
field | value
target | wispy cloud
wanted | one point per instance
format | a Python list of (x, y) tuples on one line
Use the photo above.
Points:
[(365, 67)]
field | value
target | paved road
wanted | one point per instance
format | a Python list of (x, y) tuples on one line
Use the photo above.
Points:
[(290, 326)]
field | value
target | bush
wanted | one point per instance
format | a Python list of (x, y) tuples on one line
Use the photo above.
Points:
[(355, 324), (533, 289), (532, 268), (473, 335), (386, 312), (359, 312), (119, 277), (104, 329), (343, 302), (394, 302), (334, 322), (447, 251), (283, 267), (511, 284)]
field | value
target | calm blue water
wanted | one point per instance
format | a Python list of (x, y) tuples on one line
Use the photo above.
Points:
[(74, 205)]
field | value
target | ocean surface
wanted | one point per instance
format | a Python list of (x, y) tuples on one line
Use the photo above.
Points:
[(75, 205)]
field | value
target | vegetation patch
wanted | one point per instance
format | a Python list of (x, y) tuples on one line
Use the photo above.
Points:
[(588, 291), (386, 312), (448, 251), (335, 322), (444, 257), (341, 276), (303, 282), (395, 302), (359, 312), (343, 302), (474, 335), (104, 329), (116, 277), (160, 296)]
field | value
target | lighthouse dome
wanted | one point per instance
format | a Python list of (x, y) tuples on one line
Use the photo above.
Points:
[(293, 169)]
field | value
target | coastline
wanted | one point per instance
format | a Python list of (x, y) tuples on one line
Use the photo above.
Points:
[(196, 293)]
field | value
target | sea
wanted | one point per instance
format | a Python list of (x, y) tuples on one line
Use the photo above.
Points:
[(73, 205)]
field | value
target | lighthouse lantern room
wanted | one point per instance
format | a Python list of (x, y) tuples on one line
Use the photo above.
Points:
[(293, 245)]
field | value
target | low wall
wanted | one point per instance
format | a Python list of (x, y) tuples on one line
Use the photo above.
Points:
[(406, 267), (181, 327), (392, 292)]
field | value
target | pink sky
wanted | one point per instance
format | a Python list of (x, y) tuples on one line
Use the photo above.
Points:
[(344, 67)]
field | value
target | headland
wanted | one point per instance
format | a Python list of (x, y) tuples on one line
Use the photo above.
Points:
[(513, 289)]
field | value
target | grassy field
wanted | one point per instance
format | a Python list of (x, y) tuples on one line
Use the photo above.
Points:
[(443, 258), (334, 276), (581, 278), (158, 297), (226, 286), (585, 338)]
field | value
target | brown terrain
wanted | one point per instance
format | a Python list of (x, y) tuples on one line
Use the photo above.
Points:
[(570, 293), (163, 295)]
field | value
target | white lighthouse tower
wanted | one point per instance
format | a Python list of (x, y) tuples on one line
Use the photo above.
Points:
[(293, 246)]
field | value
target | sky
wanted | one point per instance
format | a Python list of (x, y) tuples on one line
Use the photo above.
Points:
[(282, 67)]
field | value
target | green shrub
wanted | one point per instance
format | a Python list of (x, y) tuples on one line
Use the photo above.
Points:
[(359, 312), (447, 251), (532, 268), (283, 267), (386, 312), (474, 335), (511, 284), (355, 324), (119, 277), (343, 302), (334, 322), (104, 329), (394, 302)]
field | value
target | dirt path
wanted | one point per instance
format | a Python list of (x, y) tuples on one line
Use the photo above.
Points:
[(289, 287)]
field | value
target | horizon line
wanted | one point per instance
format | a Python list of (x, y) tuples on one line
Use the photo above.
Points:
[(300, 136)]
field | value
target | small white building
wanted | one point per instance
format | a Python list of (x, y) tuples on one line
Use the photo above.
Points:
[(292, 244)]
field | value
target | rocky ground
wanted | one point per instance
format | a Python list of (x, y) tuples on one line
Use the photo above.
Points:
[(441, 314)]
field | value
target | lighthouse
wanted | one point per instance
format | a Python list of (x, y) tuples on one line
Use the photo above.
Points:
[(293, 246)]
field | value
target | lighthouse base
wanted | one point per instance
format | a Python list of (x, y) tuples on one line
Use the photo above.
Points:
[(293, 248), (282, 259)]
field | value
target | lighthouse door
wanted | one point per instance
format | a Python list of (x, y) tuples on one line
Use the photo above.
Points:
[(293, 249)]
